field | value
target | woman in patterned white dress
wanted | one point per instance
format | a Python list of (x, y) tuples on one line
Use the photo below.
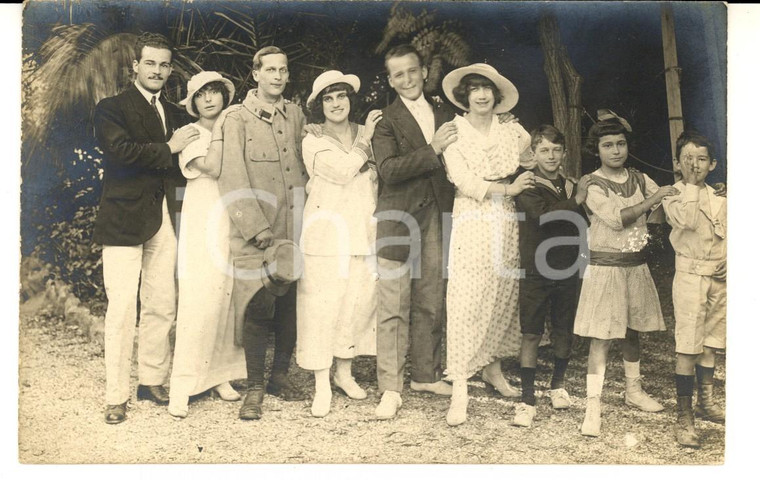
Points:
[(484, 259)]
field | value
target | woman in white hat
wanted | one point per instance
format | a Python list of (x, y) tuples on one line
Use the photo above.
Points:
[(205, 355), (484, 260), (336, 294)]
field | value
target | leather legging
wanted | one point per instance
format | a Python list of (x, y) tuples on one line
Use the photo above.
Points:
[(261, 318)]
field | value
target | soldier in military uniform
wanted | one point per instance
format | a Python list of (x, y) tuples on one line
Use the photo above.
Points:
[(262, 185)]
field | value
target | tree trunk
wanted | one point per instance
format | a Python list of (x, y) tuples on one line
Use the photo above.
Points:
[(573, 127), (564, 82)]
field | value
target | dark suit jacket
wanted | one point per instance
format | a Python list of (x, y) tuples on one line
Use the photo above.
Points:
[(138, 168), (535, 202), (412, 176)]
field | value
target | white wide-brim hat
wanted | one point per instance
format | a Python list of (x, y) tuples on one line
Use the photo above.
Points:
[(198, 81), (508, 90), (331, 77)]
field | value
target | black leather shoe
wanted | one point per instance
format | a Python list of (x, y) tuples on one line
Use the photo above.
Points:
[(251, 408), (154, 393), (281, 386), (116, 413)]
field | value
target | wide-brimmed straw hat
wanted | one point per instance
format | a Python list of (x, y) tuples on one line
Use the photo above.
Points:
[(198, 81), (331, 77), (508, 90)]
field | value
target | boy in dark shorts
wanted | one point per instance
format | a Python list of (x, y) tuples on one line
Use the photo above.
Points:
[(552, 266)]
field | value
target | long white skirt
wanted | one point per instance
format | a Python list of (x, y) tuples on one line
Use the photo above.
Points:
[(337, 303), (204, 354)]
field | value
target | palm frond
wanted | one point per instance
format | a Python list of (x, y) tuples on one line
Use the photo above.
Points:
[(454, 48), (78, 67), (440, 44)]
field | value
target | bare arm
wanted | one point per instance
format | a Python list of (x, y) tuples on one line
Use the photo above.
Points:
[(630, 214), (211, 166)]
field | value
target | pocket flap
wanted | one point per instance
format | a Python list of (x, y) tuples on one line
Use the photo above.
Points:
[(248, 266)]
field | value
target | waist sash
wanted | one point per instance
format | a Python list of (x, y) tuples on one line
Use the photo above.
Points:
[(618, 259)]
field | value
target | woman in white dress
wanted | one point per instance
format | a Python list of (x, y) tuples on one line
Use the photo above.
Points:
[(484, 259), (337, 292), (205, 355)]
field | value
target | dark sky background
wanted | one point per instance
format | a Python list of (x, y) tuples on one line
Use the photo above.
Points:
[(615, 46)]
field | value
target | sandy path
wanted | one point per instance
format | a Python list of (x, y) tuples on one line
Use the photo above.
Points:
[(60, 421)]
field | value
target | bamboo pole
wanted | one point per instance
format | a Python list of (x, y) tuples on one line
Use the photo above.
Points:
[(672, 78)]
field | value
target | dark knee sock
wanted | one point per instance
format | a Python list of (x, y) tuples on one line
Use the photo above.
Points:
[(284, 344), (255, 337), (528, 380), (705, 374), (558, 377), (684, 385)]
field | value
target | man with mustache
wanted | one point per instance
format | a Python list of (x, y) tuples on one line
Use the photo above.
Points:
[(137, 132), (262, 186)]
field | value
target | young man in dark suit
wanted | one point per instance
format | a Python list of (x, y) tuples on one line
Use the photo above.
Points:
[(136, 131), (414, 195)]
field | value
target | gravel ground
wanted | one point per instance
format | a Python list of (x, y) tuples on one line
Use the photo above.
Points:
[(61, 385), (60, 421)]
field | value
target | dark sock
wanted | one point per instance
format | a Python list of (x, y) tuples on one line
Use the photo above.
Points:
[(255, 338), (705, 375), (528, 380), (558, 377), (684, 385)]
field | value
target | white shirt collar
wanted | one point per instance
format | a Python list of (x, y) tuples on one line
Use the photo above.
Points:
[(148, 95), (415, 104)]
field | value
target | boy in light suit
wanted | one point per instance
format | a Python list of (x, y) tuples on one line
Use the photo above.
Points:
[(698, 218)]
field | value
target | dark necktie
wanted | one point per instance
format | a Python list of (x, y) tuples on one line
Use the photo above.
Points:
[(158, 114)]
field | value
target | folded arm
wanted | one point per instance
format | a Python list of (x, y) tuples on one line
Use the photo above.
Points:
[(334, 164), (463, 178), (682, 211)]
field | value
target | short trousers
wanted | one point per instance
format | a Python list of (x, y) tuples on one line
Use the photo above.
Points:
[(539, 295), (699, 305)]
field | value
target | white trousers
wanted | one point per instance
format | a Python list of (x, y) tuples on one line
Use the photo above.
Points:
[(150, 269)]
